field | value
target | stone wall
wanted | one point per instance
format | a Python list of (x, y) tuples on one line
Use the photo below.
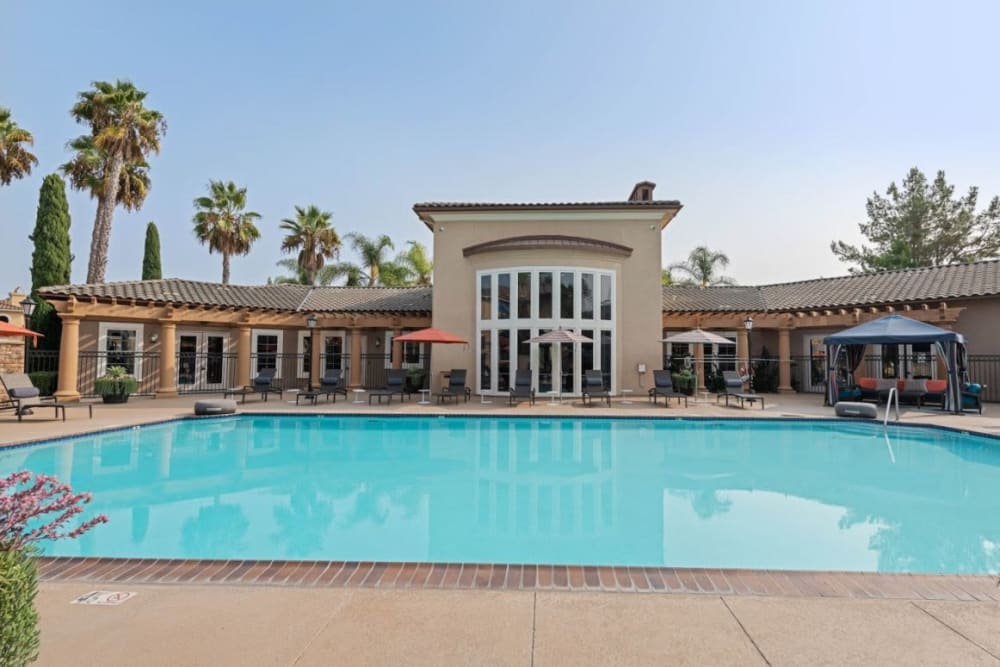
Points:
[(11, 358)]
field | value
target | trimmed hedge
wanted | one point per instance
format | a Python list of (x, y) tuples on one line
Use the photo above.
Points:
[(18, 618), (45, 381)]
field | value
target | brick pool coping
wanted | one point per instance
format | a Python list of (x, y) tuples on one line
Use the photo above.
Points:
[(684, 581)]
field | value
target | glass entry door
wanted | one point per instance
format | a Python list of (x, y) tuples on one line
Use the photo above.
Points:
[(201, 361)]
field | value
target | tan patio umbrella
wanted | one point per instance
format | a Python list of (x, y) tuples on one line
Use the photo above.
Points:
[(696, 336)]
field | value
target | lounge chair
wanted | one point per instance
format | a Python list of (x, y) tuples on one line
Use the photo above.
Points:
[(732, 384), (593, 387), (23, 395), (332, 384), (663, 385), (455, 387), (522, 387), (395, 383)]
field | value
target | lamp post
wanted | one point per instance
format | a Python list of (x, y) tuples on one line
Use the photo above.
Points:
[(28, 308), (311, 325), (748, 324)]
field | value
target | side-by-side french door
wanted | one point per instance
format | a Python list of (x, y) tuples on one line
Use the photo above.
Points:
[(202, 363)]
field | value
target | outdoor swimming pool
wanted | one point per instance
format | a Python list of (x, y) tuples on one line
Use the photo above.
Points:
[(685, 493)]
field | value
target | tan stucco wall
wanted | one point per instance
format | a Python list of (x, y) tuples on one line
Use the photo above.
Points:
[(980, 324), (637, 286)]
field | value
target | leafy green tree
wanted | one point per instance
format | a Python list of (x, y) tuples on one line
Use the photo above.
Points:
[(15, 160), (51, 258), (151, 269), (666, 278), (702, 268), (311, 235), (123, 132), (373, 254), (222, 223), (295, 275), (920, 223)]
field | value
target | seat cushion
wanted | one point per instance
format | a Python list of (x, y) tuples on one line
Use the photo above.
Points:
[(915, 386), (937, 386), (23, 392), (868, 384), (885, 384)]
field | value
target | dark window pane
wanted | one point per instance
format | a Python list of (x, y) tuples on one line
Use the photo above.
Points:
[(587, 352), (120, 348), (544, 365), (524, 295), (606, 368), (333, 352), (566, 295), (545, 295), (267, 351), (566, 354), (306, 350), (486, 296), (503, 296), (587, 296), (485, 350), (605, 297), (523, 349), (503, 362)]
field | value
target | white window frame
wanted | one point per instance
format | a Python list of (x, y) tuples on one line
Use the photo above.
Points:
[(387, 342), (201, 352), (257, 333), (534, 324), (102, 345)]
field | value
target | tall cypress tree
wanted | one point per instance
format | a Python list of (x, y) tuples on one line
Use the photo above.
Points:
[(51, 258), (151, 257)]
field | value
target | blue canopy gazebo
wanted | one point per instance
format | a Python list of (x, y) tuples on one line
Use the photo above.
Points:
[(894, 329)]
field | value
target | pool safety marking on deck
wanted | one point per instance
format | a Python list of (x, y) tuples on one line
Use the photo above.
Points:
[(103, 598)]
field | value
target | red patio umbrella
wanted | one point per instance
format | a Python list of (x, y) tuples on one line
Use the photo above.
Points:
[(7, 329), (432, 336)]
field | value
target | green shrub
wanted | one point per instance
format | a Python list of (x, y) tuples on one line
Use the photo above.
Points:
[(45, 381), (765, 373), (685, 382), (714, 380), (18, 618), (114, 382)]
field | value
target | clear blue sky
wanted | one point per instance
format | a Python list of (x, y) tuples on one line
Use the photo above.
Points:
[(770, 121)]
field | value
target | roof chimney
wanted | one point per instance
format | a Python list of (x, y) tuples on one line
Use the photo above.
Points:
[(643, 191)]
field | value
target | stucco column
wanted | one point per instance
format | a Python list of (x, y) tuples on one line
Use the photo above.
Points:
[(784, 361), (355, 357), (699, 364), (397, 349), (69, 359), (168, 360), (243, 356), (315, 348)]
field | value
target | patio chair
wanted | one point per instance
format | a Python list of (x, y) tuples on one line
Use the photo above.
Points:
[(395, 383), (332, 384), (593, 387), (522, 387), (455, 387), (732, 384), (23, 395), (663, 385)]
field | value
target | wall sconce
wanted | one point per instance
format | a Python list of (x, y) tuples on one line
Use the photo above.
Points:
[(154, 337), (378, 342)]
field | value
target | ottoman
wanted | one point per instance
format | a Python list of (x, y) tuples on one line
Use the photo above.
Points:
[(214, 406), (852, 409)]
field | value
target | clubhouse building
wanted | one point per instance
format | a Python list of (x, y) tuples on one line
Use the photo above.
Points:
[(505, 273)]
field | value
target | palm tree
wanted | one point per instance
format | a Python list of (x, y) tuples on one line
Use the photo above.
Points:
[(418, 264), (223, 224), (372, 253), (295, 275), (353, 275), (15, 160), (122, 132), (701, 268), (86, 171), (315, 239)]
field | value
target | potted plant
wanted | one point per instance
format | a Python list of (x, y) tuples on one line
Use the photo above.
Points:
[(115, 385), (414, 380)]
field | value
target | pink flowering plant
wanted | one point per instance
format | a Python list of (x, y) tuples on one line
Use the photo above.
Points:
[(39, 507)]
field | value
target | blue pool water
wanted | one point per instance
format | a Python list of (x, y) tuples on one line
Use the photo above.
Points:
[(750, 494)]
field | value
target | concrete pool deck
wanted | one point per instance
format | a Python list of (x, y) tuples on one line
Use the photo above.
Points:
[(279, 616)]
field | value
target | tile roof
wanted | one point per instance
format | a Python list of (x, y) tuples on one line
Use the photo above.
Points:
[(8, 305), (265, 297), (886, 287), (520, 206)]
